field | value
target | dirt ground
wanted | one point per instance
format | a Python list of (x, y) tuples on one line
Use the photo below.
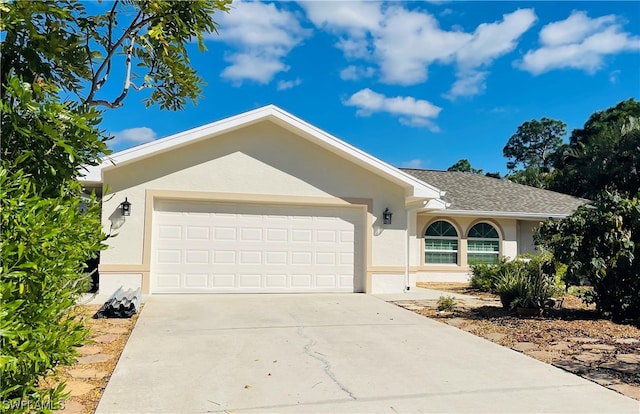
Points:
[(88, 377), (571, 337)]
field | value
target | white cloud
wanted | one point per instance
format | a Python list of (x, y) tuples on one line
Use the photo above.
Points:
[(412, 112), (573, 29), (492, 40), (468, 84), (253, 66), (354, 19), (409, 42), (417, 163), (578, 42), (132, 136), (284, 85), (614, 76), (404, 43), (263, 35), (355, 73)]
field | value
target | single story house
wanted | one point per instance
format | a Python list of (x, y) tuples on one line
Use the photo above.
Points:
[(265, 202)]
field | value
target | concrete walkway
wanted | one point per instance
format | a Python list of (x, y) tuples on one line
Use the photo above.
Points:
[(328, 353)]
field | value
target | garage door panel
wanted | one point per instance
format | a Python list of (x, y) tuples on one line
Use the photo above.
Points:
[(249, 248)]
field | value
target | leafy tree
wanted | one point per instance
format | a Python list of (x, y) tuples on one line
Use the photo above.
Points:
[(531, 151), (605, 153), (56, 58), (534, 143), (61, 42), (600, 244), (463, 165)]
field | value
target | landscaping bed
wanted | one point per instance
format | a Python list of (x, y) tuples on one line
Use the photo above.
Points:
[(88, 377), (572, 337)]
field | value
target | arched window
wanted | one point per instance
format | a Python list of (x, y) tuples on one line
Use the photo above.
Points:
[(441, 243), (483, 244)]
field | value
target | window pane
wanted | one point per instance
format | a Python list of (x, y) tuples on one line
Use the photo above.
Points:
[(483, 246), (441, 258), (441, 228), (440, 244), (482, 258), (483, 231)]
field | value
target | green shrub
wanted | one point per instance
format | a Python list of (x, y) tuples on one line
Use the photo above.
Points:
[(44, 243), (446, 303), (536, 288), (600, 244), (483, 276)]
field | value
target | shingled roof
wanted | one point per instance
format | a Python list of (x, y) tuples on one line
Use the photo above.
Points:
[(478, 193)]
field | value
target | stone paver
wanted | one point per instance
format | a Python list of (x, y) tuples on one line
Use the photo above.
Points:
[(92, 359), (560, 346), (413, 307), (470, 328), (71, 407), (105, 339), (524, 346), (627, 389), (456, 322), (116, 330), (571, 366), (622, 367), (588, 357), (495, 336), (89, 350), (546, 356), (118, 321), (76, 388), (598, 347), (87, 373), (627, 341), (601, 378), (583, 340), (629, 358)]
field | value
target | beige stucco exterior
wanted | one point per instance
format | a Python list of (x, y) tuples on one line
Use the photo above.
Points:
[(262, 163), (273, 159)]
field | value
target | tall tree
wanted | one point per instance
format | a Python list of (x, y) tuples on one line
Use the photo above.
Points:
[(56, 59), (605, 153), (534, 143), (463, 165)]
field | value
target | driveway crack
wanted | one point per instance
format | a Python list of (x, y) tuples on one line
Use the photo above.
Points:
[(308, 349)]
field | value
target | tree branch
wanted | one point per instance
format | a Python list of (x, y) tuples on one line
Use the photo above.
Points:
[(133, 27)]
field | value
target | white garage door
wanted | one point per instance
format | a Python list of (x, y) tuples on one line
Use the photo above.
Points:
[(205, 247)]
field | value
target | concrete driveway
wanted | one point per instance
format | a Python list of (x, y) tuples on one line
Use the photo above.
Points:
[(328, 353)]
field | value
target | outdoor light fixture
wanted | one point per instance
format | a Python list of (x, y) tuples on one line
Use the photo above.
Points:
[(386, 216), (125, 207)]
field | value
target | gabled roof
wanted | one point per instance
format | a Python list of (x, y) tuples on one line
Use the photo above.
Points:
[(415, 189), (478, 195)]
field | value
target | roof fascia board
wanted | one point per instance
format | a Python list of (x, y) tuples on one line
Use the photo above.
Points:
[(499, 214)]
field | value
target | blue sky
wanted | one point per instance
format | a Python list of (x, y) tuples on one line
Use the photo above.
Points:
[(417, 84)]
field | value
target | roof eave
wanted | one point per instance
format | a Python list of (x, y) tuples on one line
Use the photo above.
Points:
[(502, 214)]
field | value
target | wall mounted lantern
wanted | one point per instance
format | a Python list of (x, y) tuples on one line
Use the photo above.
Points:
[(386, 216), (125, 207)]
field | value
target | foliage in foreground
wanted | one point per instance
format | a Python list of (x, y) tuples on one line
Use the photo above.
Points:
[(44, 242), (600, 244)]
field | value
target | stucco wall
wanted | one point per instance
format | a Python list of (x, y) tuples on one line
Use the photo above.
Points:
[(261, 159), (525, 236)]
